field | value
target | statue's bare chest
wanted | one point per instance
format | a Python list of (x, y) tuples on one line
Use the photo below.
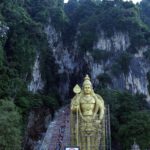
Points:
[(87, 100)]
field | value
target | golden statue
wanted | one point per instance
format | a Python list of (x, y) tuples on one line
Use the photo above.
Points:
[(87, 114)]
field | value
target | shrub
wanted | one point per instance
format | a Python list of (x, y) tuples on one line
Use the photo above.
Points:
[(10, 126)]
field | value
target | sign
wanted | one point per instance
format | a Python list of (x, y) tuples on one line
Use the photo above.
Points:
[(72, 148)]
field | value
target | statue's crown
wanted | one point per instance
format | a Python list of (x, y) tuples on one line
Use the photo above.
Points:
[(87, 80)]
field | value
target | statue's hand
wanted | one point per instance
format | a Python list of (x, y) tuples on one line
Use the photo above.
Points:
[(74, 108), (98, 121), (94, 116)]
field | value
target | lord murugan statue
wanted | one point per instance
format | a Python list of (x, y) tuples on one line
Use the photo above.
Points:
[(87, 115)]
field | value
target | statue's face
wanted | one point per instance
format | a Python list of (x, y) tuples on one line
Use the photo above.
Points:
[(87, 89)]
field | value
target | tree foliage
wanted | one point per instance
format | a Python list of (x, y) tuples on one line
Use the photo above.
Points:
[(110, 16), (129, 118), (122, 63), (145, 11), (10, 126), (80, 21), (21, 38), (137, 128)]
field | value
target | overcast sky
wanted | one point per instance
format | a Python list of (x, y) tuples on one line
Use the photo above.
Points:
[(135, 1)]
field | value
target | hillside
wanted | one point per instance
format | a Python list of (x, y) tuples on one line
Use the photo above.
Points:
[(46, 47)]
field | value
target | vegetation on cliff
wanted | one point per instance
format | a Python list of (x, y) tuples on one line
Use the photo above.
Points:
[(130, 118), (22, 37), (90, 18)]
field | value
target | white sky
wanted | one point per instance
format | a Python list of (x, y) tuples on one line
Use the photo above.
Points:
[(135, 1)]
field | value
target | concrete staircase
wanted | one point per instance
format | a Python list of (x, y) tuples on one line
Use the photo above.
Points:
[(58, 133)]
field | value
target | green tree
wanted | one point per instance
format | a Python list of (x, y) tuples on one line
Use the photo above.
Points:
[(104, 80), (1, 55), (145, 11), (137, 127), (10, 126), (129, 118), (122, 63)]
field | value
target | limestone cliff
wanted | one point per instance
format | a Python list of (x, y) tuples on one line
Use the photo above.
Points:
[(72, 64), (114, 61)]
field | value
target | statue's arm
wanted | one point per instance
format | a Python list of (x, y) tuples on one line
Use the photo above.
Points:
[(102, 111), (96, 108), (99, 107), (75, 103), (76, 107)]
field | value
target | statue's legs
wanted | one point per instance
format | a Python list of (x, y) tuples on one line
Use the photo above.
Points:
[(89, 142), (82, 140), (89, 136)]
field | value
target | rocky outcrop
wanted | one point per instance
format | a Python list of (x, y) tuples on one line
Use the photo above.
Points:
[(73, 65), (136, 79), (63, 58), (117, 42), (36, 82)]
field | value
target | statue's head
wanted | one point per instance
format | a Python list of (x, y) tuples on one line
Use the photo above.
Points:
[(87, 86)]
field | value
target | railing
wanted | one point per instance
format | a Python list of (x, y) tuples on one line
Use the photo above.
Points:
[(107, 128)]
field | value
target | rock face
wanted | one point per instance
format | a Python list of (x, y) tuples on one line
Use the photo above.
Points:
[(136, 79), (73, 64), (65, 60), (118, 42), (36, 82)]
